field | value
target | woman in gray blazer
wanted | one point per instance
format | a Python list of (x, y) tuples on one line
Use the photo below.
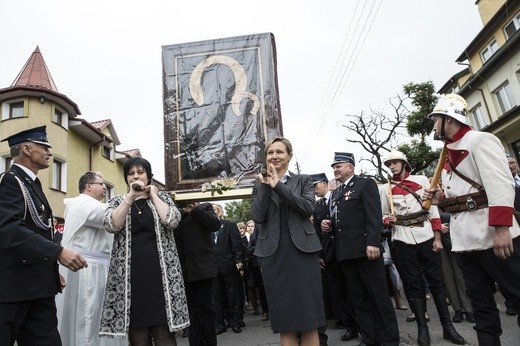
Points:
[(287, 247)]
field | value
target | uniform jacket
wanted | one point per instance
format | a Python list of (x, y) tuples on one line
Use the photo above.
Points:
[(194, 237), (115, 320), (321, 212), (228, 250), (517, 197), (298, 194), (406, 203), (480, 157), (28, 257), (357, 218)]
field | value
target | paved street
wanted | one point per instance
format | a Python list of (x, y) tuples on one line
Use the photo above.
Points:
[(258, 333)]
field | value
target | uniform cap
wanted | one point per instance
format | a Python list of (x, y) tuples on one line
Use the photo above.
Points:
[(316, 178), (36, 135), (343, 157)]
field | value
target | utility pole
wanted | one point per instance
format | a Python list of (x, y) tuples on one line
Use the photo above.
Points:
[(297, 165)]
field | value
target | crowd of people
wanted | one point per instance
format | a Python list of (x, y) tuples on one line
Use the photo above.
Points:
[(141, 268)]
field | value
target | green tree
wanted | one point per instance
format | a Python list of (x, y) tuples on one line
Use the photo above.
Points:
[(238, 211), (419, 153)]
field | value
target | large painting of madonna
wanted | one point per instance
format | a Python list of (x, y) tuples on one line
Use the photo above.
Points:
[(221, 104)]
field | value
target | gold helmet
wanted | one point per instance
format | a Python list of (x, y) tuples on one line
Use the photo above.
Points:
[(452, 105), (397, 155)]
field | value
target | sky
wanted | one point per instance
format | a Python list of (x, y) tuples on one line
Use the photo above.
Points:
[(335, 57)]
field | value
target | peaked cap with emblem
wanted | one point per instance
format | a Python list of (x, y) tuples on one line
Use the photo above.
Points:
[(316, 178), (340, 157), (36, 135)]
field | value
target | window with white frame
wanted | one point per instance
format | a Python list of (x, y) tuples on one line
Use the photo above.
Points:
[(512, 26), (107, 152), (60, 117), (488, 52), (505, 97), (15, 110), (59, 175), (110, 192), (477, 117), (6, 163)]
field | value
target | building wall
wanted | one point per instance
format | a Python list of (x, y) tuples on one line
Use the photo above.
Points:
[(67, 146)]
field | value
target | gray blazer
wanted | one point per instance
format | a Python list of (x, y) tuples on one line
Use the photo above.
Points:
[(298, 194)]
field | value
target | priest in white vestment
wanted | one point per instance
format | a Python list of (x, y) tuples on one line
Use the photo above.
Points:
[(79, 306)]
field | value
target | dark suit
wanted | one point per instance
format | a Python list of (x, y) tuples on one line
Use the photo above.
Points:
[(265, 212), (287, 248), (336, 282), (228, 283), (517, 196), (255, 274), (356, 213), (29, 277), (194, 238)]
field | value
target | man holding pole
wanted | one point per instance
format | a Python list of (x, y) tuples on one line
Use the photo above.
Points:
[(416, 242), (479, 194)]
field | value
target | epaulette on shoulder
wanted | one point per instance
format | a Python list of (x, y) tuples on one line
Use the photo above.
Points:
[(3, 174)]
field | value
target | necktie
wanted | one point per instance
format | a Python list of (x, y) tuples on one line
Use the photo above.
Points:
[(38, 182), (323, 201)]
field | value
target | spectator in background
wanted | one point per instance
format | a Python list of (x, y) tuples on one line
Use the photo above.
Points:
[(244, 272), (288, 247), (79, 307), (144, 295), (513, 167), (256, 283), (452, 276), (227, 285)]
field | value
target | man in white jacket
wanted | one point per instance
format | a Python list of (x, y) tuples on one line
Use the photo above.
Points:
[(479, 194), (79, 307), (416, 242)]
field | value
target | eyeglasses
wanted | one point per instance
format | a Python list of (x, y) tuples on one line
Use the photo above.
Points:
[(102, 184)]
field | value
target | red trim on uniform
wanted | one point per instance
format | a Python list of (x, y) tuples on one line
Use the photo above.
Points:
[(501, 216), (459, 134), (436, 224), (456, 156)]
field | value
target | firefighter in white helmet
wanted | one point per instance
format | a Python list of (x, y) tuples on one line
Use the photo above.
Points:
[(479, 194), (416, 242)]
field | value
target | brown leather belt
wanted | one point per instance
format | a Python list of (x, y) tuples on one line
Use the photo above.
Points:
[(469, 202), (412, 219)]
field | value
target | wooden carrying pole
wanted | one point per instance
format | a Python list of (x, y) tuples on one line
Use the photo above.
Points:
[(436, 176), (390, 194)]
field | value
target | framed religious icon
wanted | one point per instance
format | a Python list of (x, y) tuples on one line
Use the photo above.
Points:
[(221, 104)]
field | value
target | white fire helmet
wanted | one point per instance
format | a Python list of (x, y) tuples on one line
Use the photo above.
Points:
[(452, 105), (397, 155)]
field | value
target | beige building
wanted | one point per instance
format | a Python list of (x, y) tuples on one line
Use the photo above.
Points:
[(491, 81), (78, 146)]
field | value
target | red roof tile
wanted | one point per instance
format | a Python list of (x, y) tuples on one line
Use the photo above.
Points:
[(35, 73)]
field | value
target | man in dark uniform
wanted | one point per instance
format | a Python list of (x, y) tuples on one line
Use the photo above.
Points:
[(356, 220), (29, 279), (336, 283), (227, 284), (513, 167), (321, 211)]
